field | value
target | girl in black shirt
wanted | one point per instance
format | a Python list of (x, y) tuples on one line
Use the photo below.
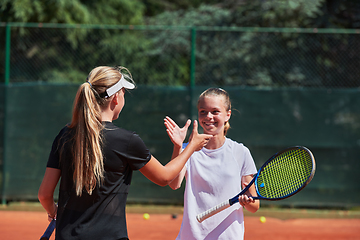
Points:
[(94, 161)]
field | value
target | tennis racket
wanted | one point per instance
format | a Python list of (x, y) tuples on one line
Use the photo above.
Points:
[(283, 175), (49, 230)]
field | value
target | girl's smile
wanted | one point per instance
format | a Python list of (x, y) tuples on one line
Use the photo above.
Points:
[(213, 114)]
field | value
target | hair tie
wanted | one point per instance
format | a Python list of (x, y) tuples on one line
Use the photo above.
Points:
[(89, 83)]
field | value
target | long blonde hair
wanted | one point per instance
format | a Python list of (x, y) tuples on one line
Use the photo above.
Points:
[(227, 102), (86, 121)]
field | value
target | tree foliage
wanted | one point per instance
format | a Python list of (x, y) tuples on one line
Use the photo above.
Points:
[(162, 57), (260, 59), (72, 11)]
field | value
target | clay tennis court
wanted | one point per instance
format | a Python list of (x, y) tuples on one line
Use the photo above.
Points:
[(22, 225)]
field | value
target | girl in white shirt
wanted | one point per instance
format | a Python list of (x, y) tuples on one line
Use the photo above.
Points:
[(214, 173)]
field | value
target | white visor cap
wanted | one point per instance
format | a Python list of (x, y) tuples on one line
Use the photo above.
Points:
[(122, 83)]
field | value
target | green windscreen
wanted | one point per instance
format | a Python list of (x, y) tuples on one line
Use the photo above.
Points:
[(266, 121)]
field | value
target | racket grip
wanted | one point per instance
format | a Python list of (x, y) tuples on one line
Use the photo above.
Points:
[(212, 211), (49, 230)]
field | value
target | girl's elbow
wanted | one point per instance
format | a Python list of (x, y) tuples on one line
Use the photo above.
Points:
[(162, 182), (43, 196), (174, 187), (173, 183)]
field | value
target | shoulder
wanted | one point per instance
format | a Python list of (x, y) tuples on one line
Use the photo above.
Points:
[(238, 150), (115, 137), (64, 131), (235, 146), (111, 130), (64, 135), (231, 141)]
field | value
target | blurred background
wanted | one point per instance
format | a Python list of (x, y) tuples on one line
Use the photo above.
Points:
[(291, 67)]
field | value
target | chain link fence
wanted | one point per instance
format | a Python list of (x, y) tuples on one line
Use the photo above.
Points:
[(180, 56), (288, 87)]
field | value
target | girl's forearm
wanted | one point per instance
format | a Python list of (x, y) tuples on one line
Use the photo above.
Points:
[(50, 207), (176, 151), (47, 188), (163, 175)]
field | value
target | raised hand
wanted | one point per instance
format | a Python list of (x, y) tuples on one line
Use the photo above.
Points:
[(176, 134), (200, 140)]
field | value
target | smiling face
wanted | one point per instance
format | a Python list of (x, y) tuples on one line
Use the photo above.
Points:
[(213, 114)]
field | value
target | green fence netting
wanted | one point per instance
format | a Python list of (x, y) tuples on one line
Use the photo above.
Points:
[(181, 55), (264, 120), (288, 87)]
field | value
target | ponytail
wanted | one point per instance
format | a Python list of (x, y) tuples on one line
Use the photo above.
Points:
[(226, 127), (86, 121), (87, 153)]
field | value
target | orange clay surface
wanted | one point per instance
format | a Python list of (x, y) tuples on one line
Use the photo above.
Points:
[(22, 225)]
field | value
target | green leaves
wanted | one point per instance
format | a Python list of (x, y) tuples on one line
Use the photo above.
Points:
[(73, 11)]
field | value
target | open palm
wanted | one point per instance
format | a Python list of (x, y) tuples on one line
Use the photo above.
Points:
[(177, 135)]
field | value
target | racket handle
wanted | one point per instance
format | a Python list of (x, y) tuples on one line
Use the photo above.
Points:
[(212, 211), (49, 230)]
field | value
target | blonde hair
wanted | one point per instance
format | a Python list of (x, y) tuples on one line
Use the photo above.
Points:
[(86, 121), (222, 93)]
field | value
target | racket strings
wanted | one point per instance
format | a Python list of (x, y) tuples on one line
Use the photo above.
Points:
[(285, 174)]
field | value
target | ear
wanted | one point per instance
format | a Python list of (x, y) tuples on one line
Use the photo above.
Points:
[(228, 115), (115, 99)]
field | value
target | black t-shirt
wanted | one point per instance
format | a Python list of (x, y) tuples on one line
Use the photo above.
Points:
[(102, 214)]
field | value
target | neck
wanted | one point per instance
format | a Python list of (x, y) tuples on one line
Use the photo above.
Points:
[(216, 142), (106, 117)]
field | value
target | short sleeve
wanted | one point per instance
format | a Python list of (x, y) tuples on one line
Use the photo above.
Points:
[(138, 154), (249, 167), (54, 156)]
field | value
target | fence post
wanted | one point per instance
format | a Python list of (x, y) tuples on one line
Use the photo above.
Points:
[(192, 70), (6, 85), (7, 53)]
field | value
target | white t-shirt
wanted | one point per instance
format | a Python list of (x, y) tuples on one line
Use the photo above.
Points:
[(212, 177)]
